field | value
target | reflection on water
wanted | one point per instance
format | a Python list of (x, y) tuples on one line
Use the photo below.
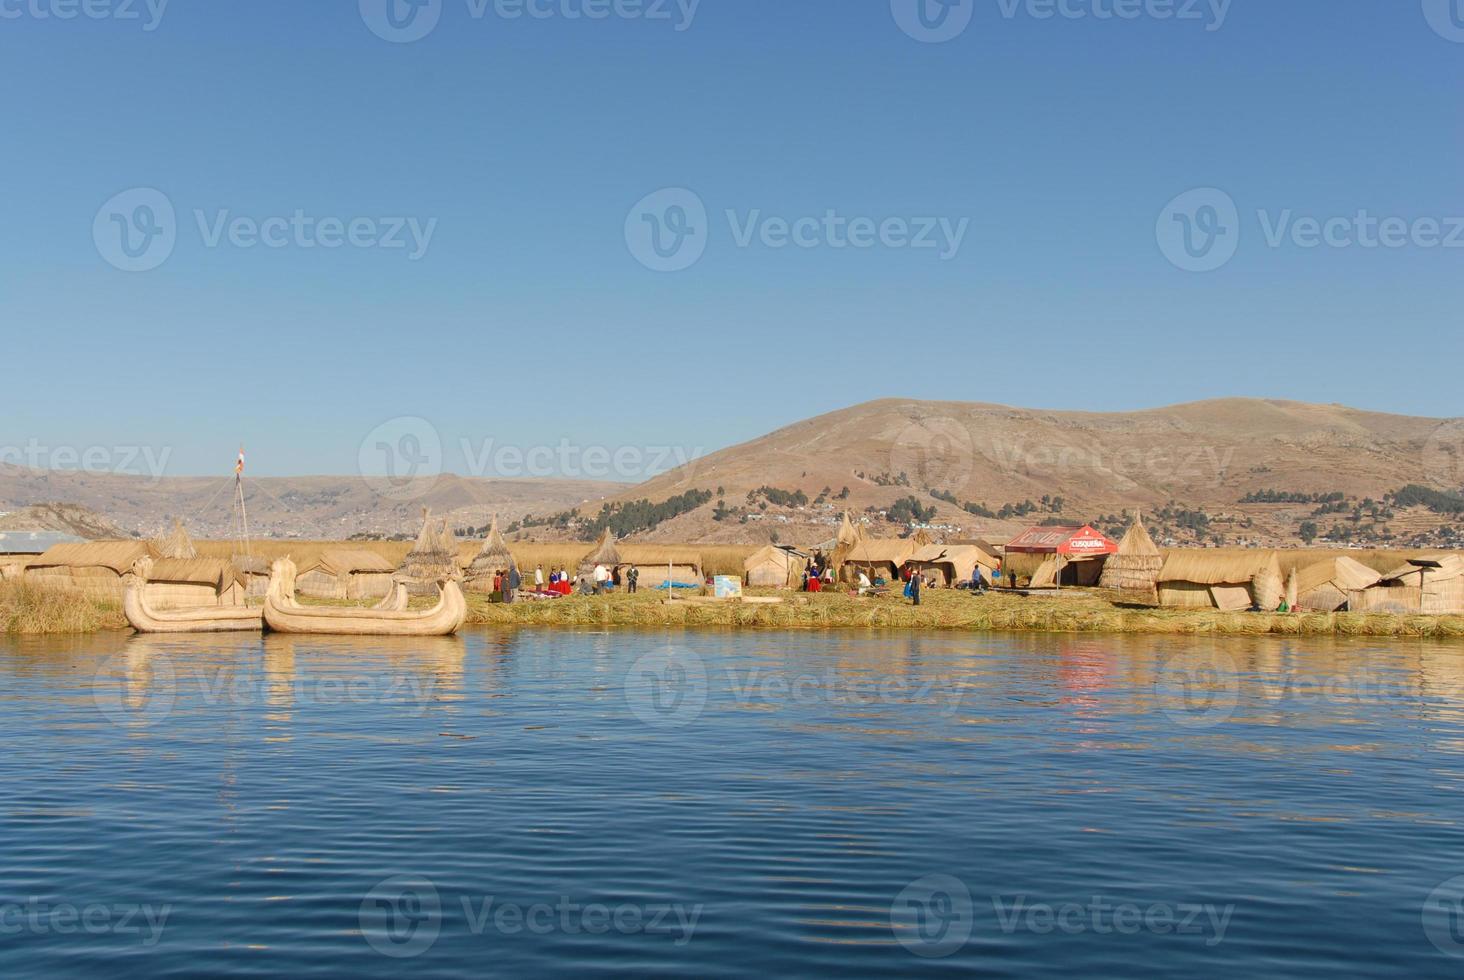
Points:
[(727, 803)]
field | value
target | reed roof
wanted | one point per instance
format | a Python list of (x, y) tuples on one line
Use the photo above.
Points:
[(1342, 573), (119, 556), (1204, 568), (176, 544)]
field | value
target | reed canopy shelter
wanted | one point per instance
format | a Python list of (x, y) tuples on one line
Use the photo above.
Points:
[(1327, 585), (656, 565), (189, 583), (1058, 555), (176, 544), (1225, 580), (433, 559), (1134, 567), (775, 566), (876, 557), (1432, 584), (91, 567), (951, 564), (345, 573), (492, 559)]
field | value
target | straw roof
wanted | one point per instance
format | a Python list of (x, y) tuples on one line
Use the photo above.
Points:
[(604, 553), (250, 564), (955, 554), (1207, 568), (215, 572), (118, 556), (432, 559), (1438, 567), (348, 561), (1342, 573), (875, 550), (494, 556), (177, 544), (1136, 564)]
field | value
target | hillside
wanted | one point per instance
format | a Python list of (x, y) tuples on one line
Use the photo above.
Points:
[(1204, 456)]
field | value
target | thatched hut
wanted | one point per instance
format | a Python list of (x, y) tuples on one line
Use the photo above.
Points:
[(844, 543), (1221, 580), (187, 583), (1326, 586), (493, 558), (176, 544), (877, 558), (657, 564), (432, 559), (1134, 567), (1432, 584), (346, 573), (1049, 555), (775, 566), (92, 567), (604, 553), (252, 571), (952, 564)]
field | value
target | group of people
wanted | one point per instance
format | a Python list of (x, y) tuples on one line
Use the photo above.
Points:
[(612, 578), (817, 575)]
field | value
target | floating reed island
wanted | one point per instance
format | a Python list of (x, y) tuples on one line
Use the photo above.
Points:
[(1065, 579)]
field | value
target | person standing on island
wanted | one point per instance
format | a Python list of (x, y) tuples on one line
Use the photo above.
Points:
[(511, 583), (538, 578), (632, 580), (915, 589)]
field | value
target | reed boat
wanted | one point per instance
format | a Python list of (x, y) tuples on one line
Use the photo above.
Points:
[(202, 619), (284, 615)]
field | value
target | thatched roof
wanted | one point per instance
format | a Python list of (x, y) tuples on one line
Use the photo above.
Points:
[(1437, 567), (119, 556), (494, 556), (921, 538), (347, 561), (1136, 541), (215, 572), (959, 555), (250, 564), (176, 544), (1219, 568), (1342, 573), (875, 550), (783, 555), (432, 559), (604, 553)]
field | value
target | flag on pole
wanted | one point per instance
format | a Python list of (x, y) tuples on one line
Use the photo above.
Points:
[(239, 466)]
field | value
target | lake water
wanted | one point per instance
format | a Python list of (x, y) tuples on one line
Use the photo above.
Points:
[(810, 803)]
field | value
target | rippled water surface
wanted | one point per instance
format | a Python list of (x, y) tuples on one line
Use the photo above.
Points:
[(812, 803)]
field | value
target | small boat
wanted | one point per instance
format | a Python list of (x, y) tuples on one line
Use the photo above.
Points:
[(201, 619), (284, 615)]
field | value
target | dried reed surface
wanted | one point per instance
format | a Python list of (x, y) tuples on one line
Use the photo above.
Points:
[(26, 607), (1089, 612)]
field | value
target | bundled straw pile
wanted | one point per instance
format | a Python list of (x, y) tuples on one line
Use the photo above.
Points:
[(177, 544), (493, 559)]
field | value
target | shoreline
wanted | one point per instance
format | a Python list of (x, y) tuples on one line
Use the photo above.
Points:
[(28, 610)]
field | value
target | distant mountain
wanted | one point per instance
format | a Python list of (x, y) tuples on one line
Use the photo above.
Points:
[(303, 507), (66, 518), (1208, 455)]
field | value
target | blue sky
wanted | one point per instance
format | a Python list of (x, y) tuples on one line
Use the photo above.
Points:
[(527, 319)]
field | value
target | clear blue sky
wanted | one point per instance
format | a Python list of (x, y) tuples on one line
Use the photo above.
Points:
[(529, 321)]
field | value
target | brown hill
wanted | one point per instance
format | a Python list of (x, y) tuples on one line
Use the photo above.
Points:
[(1204, 455)]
